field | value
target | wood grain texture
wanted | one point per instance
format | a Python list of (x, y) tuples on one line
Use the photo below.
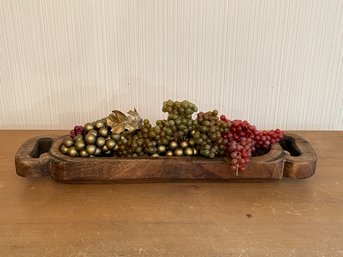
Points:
[(274, 63), (164, 169), (301, 163), (32, 159), (40, 217)]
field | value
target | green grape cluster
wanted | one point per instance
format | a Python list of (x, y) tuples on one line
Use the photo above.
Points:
[(208, 134), (139, 143), (177, 135), (180, 121)]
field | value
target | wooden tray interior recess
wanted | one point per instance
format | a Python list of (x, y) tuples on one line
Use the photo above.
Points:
[(294, 157)]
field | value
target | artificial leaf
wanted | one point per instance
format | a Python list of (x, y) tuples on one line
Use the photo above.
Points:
[(121, 117), (121, 123), (119, 128)]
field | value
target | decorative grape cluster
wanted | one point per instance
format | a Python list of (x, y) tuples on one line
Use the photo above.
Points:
[(207, 135), (96, 140), (244, 141), (177, 135), (266, 138), (179, 122), (77, 130)]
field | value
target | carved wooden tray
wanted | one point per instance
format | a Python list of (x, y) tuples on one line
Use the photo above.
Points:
[(293, 157)]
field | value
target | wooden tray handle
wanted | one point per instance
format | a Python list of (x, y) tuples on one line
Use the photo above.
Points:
[(31, 160), (301, 159)]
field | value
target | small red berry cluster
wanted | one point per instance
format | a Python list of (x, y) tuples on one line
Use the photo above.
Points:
[(77, 130), (243, 139)]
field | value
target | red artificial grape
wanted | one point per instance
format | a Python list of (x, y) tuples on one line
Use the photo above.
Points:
[(77, 130), (242, 140)]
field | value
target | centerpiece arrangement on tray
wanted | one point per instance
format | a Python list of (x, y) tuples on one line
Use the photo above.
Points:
[(186, 146), (207, 135)]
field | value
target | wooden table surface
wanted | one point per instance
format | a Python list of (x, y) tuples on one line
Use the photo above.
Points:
[(40, 217)]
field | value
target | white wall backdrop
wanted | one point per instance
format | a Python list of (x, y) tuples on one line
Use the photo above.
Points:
[(276, 63)]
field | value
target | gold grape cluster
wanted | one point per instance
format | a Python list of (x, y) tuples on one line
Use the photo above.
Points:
[(178, 135)]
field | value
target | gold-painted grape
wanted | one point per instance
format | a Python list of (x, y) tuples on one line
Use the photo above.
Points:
[(90, 138), (72, 152), (68, 142), (90, 149)]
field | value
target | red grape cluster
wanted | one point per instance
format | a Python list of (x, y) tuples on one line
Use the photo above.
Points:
[(243, 141), (77, 130), (265, 138)]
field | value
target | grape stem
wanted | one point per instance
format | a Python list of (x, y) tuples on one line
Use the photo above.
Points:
[(238, 159)]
